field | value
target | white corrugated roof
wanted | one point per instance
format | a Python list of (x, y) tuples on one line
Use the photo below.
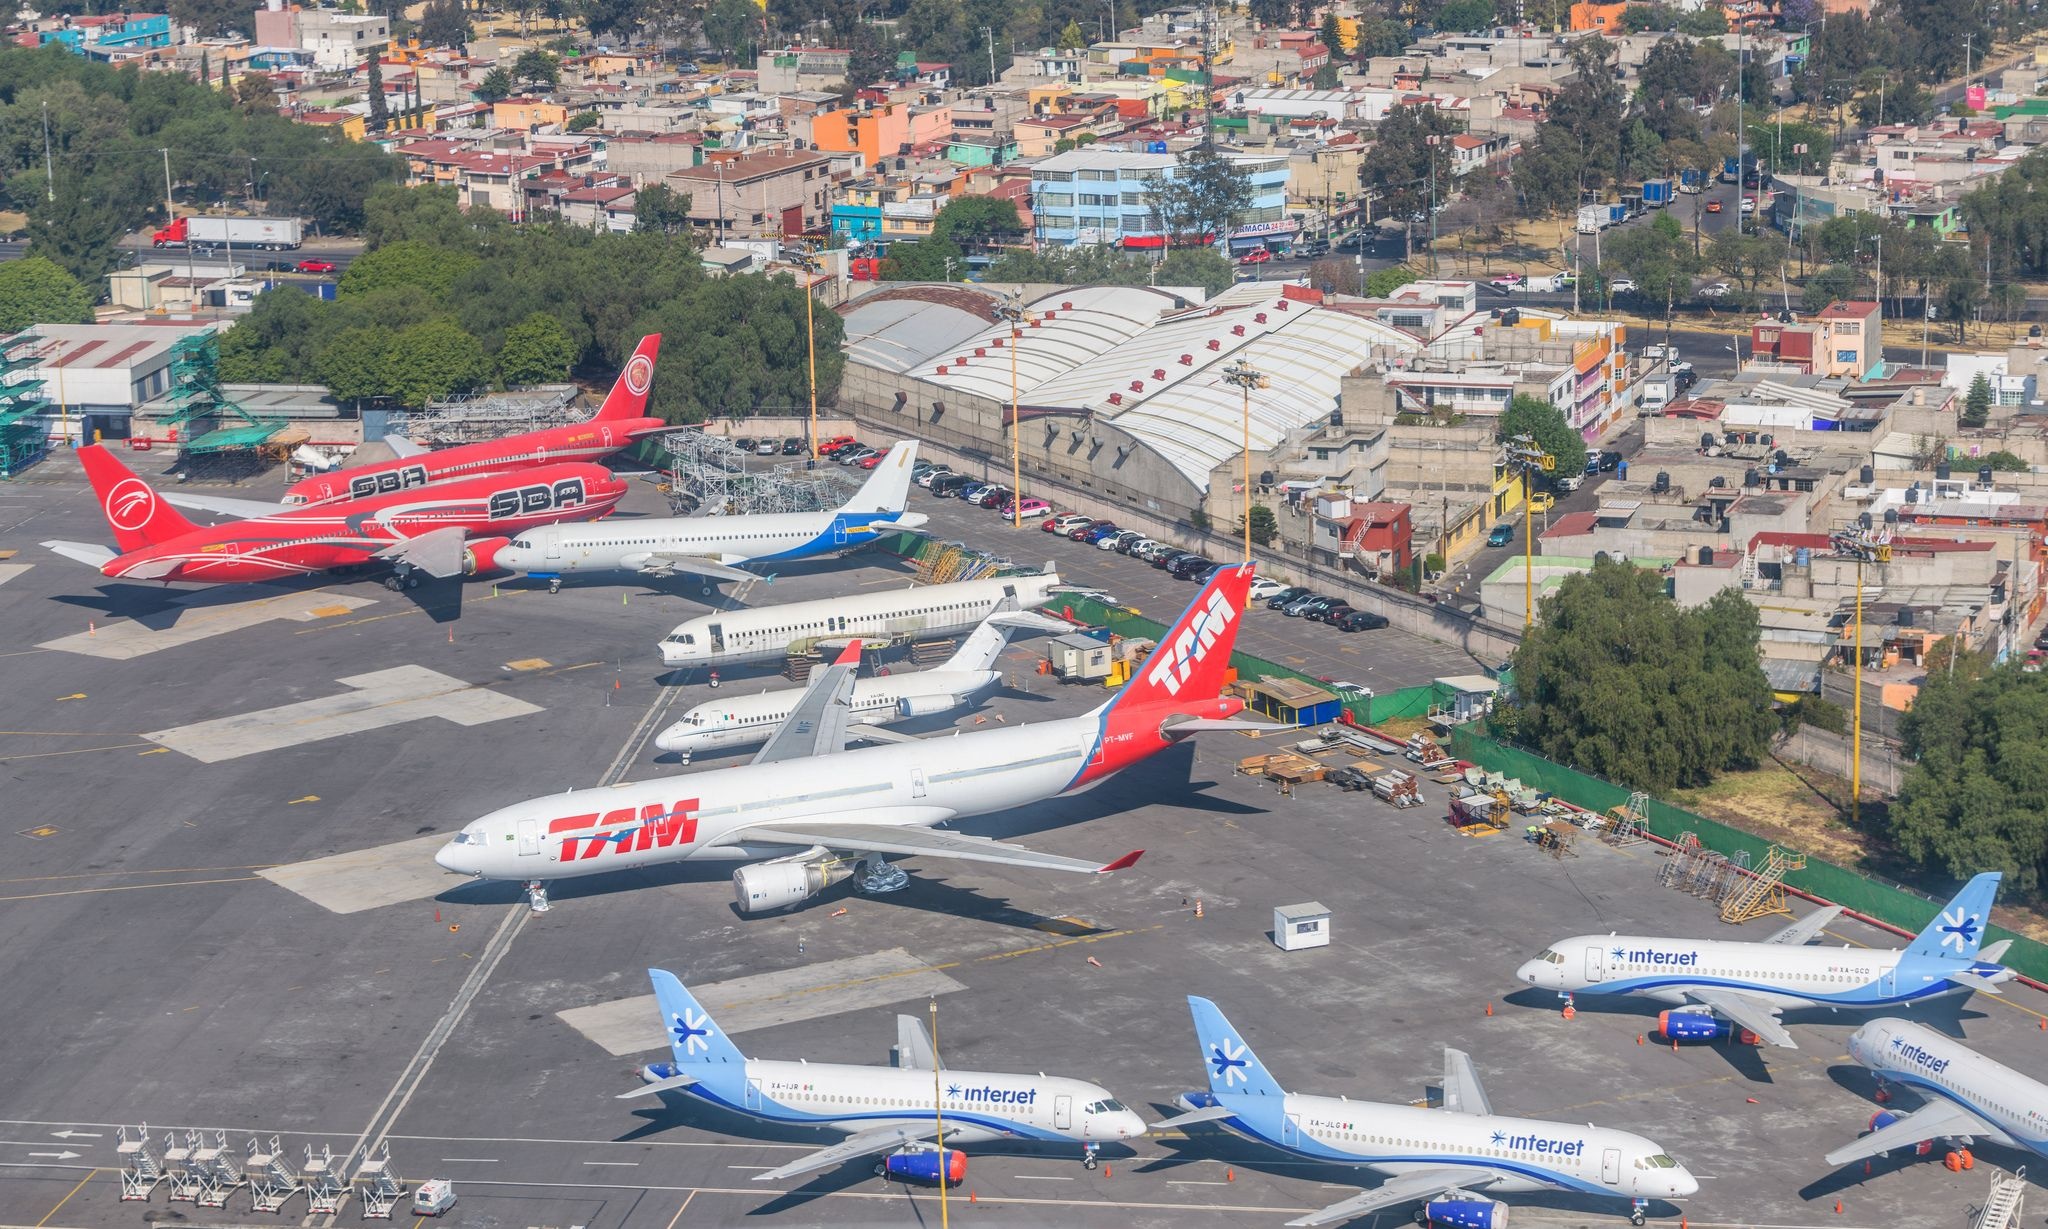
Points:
[(1066, 330)]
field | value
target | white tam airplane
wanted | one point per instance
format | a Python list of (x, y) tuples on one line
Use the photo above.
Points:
[(743, 720), (886, 1111), (712, 547), (1452, 1160)]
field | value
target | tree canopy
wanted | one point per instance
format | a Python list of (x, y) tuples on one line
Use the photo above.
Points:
[(1616, 680), (34, 291), (1545, 423), (1203, 199), (1977, 798)]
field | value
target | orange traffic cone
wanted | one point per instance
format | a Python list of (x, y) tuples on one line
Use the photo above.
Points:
[(1105, 1171), (1230, 1175), (1639, 1039), (1838, 1207), (971, 1198), (1489, 1011)]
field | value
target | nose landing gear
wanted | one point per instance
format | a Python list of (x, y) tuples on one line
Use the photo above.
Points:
[(537, 896), (1088, 1158)]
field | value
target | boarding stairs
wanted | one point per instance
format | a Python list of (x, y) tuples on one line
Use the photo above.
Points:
[(1763, 893), (178, 1166), (141, 1170), (218, 1169), (272, 1182), (2002, 1209), (381, 1189), (326, 1179)]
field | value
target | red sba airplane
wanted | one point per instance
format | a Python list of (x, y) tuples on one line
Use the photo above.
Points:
[(448, 529), (617, 423)]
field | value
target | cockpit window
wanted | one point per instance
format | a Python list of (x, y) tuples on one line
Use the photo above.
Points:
[(1552, 957), (1111, 1106), (464, 838), (680, 638), (522, 544), (1659, 1161)]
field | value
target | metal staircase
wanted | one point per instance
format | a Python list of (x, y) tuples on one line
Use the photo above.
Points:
[(1763, 893), (219, 1171), (2002, 1208), (140, 1168), (178, 1166), (326, 1178), (1680, 864), (381, 1189), (1629, 821), (272, 1182)]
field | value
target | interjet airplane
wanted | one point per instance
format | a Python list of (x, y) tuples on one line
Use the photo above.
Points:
[(743, 720), (795, 822), (1964, 1096), (892, 1112), (711, 548), (1452, 1161), (1746, 985)]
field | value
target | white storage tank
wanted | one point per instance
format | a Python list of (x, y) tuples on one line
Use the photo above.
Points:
[(1296, 927)]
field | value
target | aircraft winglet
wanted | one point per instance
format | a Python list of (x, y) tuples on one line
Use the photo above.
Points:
[(1124, 863)]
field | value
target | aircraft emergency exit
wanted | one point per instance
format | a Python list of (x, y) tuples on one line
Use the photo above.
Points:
[(1965, 1096), (1451, 1161), (1748, 984), (802, 818), (712, 548), (883, 1111), (743, 720)]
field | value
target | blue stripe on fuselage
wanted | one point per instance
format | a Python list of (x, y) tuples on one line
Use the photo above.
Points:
[(830, 539), (1862, 996), (775, 1111), (1926, 1087)]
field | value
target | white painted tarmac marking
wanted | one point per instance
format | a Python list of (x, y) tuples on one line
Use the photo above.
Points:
[(199, 616), (469, 1160), (378, 699), (627, 1164), (368, 878), (8, 571), (629, 1026), (1040, 1178)]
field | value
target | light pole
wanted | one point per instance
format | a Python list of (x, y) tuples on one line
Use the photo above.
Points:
[(808, 258), (1527, 457), (1012, 310), (1862, 546), (1247, 378), (938, 1112)]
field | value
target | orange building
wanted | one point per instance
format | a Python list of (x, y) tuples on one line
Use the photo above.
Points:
[(873, 132), (1606, 18)]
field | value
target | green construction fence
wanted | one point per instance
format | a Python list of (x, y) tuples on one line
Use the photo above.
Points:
[(1894, 906)]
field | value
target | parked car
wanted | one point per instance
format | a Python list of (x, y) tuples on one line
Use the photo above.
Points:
[(1287, 597), (1118, 540), (1264, 589), (827, 447), (1031, 508), (1715, 290), (869, 461), (1148, 550), (931, 476), (1507, 279), (766, 448), (1097, 534), (994, 497), (316, 266), (1334, 615), (1610, 460), (972, 491), (1136, 547), (1568, 483), (1749, 204), (793, 447), (1361, 621), (1542, 501), (1713, 206), (1188, 567), (1502, 534), (1308, 607), (949, 484), (1622, 285), (745, 444), (1164, 562), (1310, 249), (1066, 522), (856, 454)]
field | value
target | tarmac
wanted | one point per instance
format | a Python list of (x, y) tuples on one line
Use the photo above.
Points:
[(258, 942)]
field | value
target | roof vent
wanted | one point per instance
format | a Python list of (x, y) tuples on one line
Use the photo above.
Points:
[(1237, 330), (1067, 305), (1137, 386), (1159, 373), (1215, 344), (1116, 398), (1259, 317), (942, 369), (1187, 360), (981, 352)]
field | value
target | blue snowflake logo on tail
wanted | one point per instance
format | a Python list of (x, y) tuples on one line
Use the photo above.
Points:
[(1959, 928), (692, 1031), (1228, 1057)]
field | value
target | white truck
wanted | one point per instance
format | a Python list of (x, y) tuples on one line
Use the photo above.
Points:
[(256, 234), (1594, 218)]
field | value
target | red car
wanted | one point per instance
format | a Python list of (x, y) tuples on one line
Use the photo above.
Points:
[(871, 462), (827, 447), (1713, 206), (316, 266)]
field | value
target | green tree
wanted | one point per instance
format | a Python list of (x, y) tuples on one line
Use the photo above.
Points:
[(1202, 200), (34, 291), (739, 344), (444, 23), (406, 263), (1659, 258), (1331, 35), (1465, 16), (537, 68), (1827, 285), (1545, 423), (937, 259), (537, 350), (77, 232), (583, 121), (356, 365), (1747, 259), (1977, 403), (1382, 282), (1204, 267), (1616, 680), (1326, 76), (2005, 462), (971, 221), (1265, 526), (435, 359), (1071, 38), (495, 86), (380, 111), (1977, 797), (734, 25), (1410, 141), (661, 209)]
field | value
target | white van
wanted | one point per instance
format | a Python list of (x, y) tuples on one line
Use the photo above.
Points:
[(435, 1196)]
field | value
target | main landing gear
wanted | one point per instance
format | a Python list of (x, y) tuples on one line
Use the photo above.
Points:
[(403, 576), (537, 896), (877, 875)]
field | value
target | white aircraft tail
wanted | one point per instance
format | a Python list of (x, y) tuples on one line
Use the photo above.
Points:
[(986, 643), (888, 487)]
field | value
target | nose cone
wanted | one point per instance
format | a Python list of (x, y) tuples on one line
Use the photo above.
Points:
[(513, 558), (674, 738), (1856, 1044), (1130, 1125), (461, 859), (1532, 972), (1683, 1183)]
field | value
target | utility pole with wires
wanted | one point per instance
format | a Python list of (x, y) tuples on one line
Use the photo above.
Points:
[(1012, 310), (1246, 377), (1524, 455), (1862, 546)]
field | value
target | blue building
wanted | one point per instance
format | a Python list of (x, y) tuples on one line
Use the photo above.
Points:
[(102, 37), (1103, 197)]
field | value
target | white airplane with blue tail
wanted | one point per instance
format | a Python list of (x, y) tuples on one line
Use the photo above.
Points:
[(1452, 1161), (1747, 984), (891, 1112)]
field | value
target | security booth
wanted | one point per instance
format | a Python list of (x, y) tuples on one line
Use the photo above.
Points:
[(1296, 927)]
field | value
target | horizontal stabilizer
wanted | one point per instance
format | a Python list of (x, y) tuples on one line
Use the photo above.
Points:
[(91, 554), (244, 509), (876, 734), (1174, 727), (1994, 953), (674, 1083), (400, 446), (1209, 1113)]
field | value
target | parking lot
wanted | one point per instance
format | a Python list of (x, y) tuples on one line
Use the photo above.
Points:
[(220, 913)]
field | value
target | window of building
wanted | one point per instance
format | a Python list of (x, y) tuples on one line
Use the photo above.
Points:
[(1135, 198), (1055, 200)]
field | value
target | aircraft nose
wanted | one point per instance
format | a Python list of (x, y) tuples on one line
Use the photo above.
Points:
[(458, 858), (1130, 1125), (671, 739), (1530, 972), (1683, 1183)]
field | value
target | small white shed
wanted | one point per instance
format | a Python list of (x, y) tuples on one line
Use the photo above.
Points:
[(1301, 926)]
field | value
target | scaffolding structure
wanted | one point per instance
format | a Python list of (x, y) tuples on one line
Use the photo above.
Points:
[(470, 418), (1698, 871), (946, 562), (1763, 892), (272, 1181), (23, 439), (1628, 822), (709, 476), (215, 434)]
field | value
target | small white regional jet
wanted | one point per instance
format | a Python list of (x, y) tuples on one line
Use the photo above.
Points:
[(887, 1111), (1967, 1096), (881, 618), (711, 547), (742, 721), (1749, 983), (1450, 1160)]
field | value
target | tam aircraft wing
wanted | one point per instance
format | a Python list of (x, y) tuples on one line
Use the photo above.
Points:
[(402, 447), (1801, 932), (853, 1147), (870, 831), (818, 723), (1750, 1012), (1933, 1121), (1406, 1188)]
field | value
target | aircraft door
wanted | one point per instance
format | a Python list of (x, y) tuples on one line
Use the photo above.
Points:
[(1888, 982), (1063, 1113), (1595, 964), (529, 837), (1610, 1167), (718, 637), (917, 783), (1290, 1130), (753, 1093), (554, 545), (838, 532)]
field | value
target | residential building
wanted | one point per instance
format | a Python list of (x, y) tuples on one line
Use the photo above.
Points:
[(337, 40), (759, 195), (111, 36), (1845, 339), (1103, 197), (528, 114), (802, 68)]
